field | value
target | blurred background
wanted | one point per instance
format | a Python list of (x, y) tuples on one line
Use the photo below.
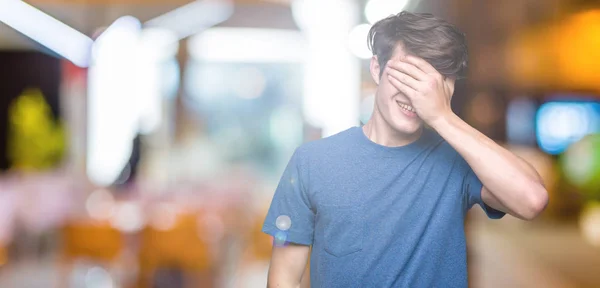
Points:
[(141, 141)]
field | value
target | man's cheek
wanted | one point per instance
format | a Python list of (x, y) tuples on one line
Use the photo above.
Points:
[(389, 89)]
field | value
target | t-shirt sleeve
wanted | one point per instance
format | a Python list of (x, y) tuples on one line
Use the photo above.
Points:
[(472, 187), (291, 217)]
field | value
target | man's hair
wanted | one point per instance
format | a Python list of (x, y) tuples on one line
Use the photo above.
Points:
[(435, 40)]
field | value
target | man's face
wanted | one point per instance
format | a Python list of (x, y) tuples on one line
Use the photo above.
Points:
[(393, 106)]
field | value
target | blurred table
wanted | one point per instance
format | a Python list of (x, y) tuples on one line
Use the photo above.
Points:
[(514, 253)]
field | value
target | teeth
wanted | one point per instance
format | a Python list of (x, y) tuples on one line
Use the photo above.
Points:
[(406, 107)]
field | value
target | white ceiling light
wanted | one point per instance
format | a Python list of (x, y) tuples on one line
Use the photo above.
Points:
[(194, 17), (113, 115), (159, 43), (330, 99), (376, 10), (357, 41), (49, 32), (248, 45), (125, 29)]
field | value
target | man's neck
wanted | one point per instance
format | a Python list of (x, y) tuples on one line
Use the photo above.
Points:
[(380, 132)]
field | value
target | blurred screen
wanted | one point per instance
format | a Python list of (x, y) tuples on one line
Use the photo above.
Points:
[(565, 120), (520, 121)]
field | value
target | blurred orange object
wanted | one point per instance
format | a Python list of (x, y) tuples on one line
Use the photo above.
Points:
[(564, 55), (94, 240), (90, 240), (260, 243), (3, 256), (177, 244)]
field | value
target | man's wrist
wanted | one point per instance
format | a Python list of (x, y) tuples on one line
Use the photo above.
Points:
[(443, 121)]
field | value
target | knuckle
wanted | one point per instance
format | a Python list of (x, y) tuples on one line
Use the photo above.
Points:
[(426, 90), (431, 83)]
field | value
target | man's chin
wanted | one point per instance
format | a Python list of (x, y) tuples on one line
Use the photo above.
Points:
[(408, 126), (408, 129)]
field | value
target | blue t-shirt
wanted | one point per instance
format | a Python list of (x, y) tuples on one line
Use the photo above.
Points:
[(378, 216)]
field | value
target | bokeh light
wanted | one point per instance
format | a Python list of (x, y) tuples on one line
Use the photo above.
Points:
[(283, 222), (164, 216), (100, 204), (250, 83), (561, 123), (357, 41), (280, 238), (285, 127), (128, 217), (581, 165), (589, 222), (376, 10), (97, 277)]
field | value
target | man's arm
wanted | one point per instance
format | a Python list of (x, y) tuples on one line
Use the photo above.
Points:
[(510, 184), (291, 211), (288, 264)]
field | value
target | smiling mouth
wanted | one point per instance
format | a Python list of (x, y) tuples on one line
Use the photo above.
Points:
[(406, 107)]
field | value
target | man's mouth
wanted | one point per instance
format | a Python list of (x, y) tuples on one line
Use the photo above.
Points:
[(406, 107)]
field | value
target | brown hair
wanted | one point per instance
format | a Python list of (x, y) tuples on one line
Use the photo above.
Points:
[(435, 40)]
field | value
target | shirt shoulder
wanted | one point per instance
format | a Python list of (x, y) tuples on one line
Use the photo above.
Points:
[(326, 145), (440, 146), (318, 156)]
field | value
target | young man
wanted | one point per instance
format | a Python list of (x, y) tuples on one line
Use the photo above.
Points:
[(383, 205)]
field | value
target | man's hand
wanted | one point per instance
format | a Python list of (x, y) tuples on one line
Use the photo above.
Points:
[(428, 91)]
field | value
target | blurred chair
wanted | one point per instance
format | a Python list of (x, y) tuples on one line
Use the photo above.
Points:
[(97, 241), (94, 241), (178, 247)]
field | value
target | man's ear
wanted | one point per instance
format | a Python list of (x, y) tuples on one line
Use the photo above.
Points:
[(375, 69)]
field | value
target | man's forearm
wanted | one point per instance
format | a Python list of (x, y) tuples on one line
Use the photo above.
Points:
[(280, 278), (510, 179), (287, 266), (271, 284)]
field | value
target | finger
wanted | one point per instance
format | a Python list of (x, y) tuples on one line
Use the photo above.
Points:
[(421, 64), (408, 69), (404, 78), (403, 88)]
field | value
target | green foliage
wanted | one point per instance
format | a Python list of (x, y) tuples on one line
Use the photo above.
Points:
[(35, 141)]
